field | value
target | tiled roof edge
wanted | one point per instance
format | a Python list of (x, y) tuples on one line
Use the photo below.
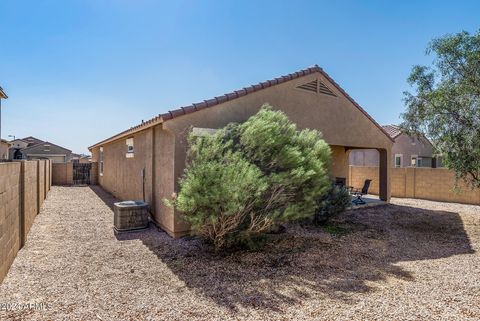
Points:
[(234, 95)]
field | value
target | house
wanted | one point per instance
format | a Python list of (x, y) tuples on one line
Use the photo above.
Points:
[(4, 146), (407, 151), (34, 148), (147, 160)]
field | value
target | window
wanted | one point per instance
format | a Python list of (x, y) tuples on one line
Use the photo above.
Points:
[(419, 162), (130, 150), (414, 160), (101, 161), (398, 160)]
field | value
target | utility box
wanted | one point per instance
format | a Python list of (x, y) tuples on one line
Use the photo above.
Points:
[(130, 215)]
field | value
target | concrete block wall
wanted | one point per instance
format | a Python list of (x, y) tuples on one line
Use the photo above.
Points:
[(31, 194), (94, 174), (10, 189), (20, 199), (62, 174), (436, 184), (358, 175)]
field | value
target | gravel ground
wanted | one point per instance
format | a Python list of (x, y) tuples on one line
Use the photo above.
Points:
[(410, 260)]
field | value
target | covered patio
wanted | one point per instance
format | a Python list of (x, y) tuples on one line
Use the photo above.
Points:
[(379, 190)]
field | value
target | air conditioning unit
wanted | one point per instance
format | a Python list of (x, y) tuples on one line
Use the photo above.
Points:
[(130, 216)]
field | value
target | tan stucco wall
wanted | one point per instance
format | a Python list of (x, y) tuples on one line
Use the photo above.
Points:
[(408, 146), (340, 122), (339, 162), (4, 150), (121, 175)]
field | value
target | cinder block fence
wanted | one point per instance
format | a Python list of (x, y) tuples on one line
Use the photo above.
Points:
[(62, 174), (23, 188), (436, 184)]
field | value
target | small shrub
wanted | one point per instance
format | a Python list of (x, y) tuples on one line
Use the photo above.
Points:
[(333, 203)]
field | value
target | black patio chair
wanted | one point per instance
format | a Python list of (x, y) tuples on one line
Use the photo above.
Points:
[(358, 193)]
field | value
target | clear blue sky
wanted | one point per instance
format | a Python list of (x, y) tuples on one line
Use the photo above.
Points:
[(78, 71)]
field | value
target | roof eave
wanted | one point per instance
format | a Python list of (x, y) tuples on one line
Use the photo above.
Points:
[(3, 94), (234, 95), (143, 126)]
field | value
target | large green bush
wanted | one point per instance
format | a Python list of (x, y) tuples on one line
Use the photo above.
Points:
[(247, 177)]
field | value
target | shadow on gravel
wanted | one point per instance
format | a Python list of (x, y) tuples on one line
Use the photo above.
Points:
[(307, 261)]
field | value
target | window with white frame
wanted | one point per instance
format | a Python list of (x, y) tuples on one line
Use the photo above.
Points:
[(413, 160), (398, 160), (101, 161), (130, 150)]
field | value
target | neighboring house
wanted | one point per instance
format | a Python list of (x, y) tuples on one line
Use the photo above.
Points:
[(4, 146), (85, 159), (34, 148), (147, 160), (75, 158), (407, 151)]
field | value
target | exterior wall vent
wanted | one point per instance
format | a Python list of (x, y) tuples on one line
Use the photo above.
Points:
[(322, 89), (318, 87), (311, 86)]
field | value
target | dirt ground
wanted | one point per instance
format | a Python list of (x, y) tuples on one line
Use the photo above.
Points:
[(410, 260)]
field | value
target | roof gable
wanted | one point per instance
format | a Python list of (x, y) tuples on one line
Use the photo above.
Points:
[(161, 118), (32, 140), (46, 148), (393, 130)]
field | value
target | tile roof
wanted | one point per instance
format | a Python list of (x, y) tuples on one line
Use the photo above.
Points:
[(393, 130), (233, 95)]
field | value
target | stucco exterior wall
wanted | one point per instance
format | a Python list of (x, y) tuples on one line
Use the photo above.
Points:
[(339, 165), (340, 122), (161, 150), (4, 150), (408, 146), (122, 176)]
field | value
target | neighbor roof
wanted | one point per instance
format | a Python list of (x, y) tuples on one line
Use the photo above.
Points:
[(231, 96), (42, 144), (32, 141), (3, 94), (393, 130)]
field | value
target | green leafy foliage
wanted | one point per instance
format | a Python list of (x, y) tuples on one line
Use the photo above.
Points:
[(446, 105), (246, 178), (332, 203)]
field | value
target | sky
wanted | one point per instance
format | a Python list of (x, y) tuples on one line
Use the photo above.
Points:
[(79, 71)]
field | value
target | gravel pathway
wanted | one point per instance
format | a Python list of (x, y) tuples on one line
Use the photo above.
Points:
[(411, 260)]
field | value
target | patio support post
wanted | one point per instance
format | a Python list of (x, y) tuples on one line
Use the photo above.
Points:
[(384, 169)]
